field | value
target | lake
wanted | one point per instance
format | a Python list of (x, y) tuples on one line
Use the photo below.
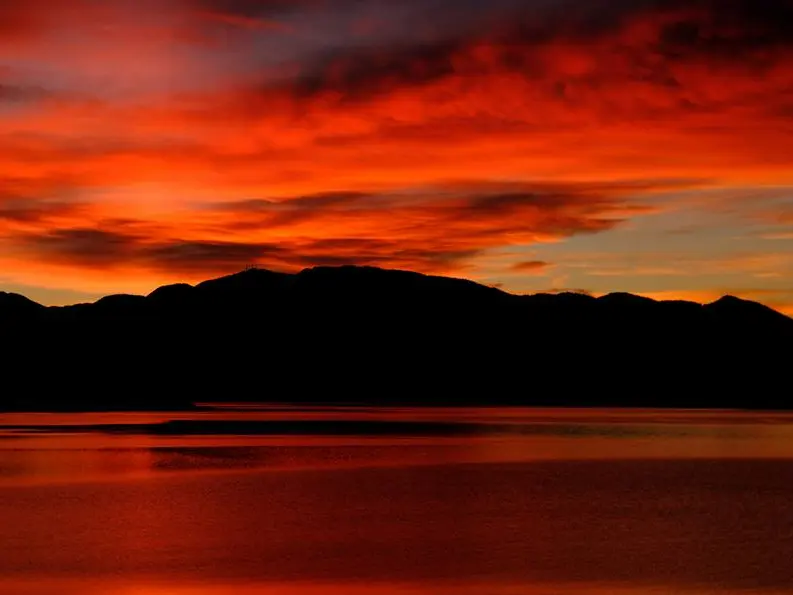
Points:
[(282, 501)]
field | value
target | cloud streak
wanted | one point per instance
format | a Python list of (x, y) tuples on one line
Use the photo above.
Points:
[(356, 120), (439, 229)]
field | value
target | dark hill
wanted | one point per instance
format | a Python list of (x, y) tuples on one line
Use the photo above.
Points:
[(357, 334), (14, 306)]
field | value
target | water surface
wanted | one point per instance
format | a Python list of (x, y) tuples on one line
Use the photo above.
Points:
[(332, 501)]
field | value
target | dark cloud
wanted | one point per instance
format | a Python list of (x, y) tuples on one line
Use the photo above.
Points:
[(34, 211), (438, 228), (741, 32), (455, 209), (435, 20), (37, 200), (255, 8), (508, 36), (289, 212), (531, 266), (361, 74), (205, 256), (83, 247), (108, 249), (101, 249), (10, 93)]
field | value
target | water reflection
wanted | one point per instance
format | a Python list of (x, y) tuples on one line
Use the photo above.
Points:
[(692, 506)]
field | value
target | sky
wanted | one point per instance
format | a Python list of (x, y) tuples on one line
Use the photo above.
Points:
[(535, 145)]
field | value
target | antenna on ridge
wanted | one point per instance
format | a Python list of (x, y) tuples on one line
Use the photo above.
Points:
[(251, 267)]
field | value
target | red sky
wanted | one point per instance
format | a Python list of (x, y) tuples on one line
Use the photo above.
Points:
[(640, 146)]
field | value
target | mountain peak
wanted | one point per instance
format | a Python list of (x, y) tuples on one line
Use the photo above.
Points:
[(730, 300), (626, 298), (743, 311), (250, 279)]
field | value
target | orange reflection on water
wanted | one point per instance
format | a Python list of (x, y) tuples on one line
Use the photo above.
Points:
[(602, 507)]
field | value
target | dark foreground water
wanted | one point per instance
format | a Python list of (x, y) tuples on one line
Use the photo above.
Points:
[(398, 502)]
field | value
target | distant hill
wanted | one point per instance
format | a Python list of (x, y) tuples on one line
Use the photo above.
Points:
[(358, 334)]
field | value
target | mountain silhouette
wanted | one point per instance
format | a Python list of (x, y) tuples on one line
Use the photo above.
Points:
[(368, 335)]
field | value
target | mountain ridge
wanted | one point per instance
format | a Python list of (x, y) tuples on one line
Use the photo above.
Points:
[(6, 297), (382, 337)]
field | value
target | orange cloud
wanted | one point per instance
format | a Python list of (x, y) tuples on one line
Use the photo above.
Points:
[(436, 229), (173, 142)]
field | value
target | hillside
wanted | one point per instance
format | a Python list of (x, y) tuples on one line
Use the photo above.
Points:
[(353, 334)]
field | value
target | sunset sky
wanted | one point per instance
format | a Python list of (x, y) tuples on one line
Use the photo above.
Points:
[(598, 145)]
